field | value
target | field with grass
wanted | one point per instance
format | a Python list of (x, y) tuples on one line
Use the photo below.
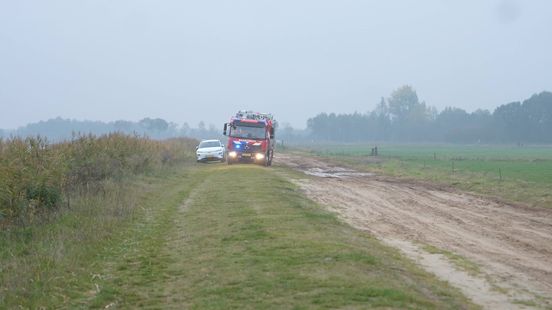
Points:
[(62, 204), (520, 174), (208, 236)]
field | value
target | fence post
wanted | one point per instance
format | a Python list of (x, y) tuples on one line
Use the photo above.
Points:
[(500, 174)]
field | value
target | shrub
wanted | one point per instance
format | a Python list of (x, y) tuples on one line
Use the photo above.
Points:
[(35, 175)]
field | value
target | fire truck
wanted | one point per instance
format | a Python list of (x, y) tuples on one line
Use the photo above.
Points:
[(250, 138)]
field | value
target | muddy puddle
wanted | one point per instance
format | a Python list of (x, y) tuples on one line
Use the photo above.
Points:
[(336, 172)]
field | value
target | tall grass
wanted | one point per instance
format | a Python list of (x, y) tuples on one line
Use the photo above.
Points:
[(64, 204), (36, 176)]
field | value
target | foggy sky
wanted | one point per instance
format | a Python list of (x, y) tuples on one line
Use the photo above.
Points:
[(187, 61)]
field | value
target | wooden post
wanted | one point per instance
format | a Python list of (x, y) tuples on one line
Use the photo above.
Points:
[(500, 174), (453, 167)]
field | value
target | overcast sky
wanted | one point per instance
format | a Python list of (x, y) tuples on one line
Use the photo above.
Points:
[(187, 61)]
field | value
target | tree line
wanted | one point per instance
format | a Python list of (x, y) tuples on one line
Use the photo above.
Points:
[(401, 117), (404, 118), (59, 129)]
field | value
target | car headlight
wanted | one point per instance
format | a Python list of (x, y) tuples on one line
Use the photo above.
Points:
[(259, 156), (232, 154)]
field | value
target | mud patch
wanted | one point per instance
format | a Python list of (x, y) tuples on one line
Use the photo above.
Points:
[(336, 172)]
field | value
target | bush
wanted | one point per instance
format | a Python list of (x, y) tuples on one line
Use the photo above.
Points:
[(35, 175)]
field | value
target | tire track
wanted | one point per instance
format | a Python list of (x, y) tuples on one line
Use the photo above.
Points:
[(512, 245)]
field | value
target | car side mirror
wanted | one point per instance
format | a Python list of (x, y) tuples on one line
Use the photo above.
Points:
[(225, 128), (197, 147)]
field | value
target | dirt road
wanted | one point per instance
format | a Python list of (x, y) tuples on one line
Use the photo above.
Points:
[(505, 251)]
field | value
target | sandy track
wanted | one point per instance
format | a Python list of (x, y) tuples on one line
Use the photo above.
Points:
[(512, 245)]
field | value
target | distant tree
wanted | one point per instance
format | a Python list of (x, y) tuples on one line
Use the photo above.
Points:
[(403, 102), (537, 118), (124, 126), (509, 121), (451, 124), (185, 129), (201, 126), (286, 132), (410, 117), (380, 122), (156, 124)]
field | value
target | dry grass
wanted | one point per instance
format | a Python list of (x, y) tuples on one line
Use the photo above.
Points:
[(36, 177), (64, 204)]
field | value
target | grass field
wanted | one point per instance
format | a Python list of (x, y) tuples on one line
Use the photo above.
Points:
[(214, 237), (519, 174)]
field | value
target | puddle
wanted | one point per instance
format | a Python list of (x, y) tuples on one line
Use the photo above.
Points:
[(336, 172)]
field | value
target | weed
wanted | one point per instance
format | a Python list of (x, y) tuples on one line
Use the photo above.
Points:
[(35, 176)]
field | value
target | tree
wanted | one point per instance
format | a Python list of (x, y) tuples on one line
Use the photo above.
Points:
[(411, 119), (156, 124), (201, 126), (402, 102), (537, 118), (185, 130), (508, 120)]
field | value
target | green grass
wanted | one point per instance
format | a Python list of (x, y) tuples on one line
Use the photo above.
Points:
[(518, 174), (56, 259), (247, 239), (214, 237)]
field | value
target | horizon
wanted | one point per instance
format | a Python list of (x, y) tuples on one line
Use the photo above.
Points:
[(207, 124), (186, 62)]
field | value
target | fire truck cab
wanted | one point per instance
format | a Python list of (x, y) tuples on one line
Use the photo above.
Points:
[(250, 138)]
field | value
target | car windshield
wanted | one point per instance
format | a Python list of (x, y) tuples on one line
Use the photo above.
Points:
[(247, 132), (209, 144)]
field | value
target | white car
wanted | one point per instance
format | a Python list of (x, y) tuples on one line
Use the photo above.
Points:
[(210, 150)]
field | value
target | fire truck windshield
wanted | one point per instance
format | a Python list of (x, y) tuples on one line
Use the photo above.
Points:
[(247, 132)]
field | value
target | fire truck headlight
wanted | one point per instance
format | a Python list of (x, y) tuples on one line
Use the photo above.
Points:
[(232, 154), (259, 156)]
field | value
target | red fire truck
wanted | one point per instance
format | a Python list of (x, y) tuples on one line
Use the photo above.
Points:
[(250, 138)]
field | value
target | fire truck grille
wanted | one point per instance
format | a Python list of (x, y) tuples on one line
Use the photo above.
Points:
[(253, 148)]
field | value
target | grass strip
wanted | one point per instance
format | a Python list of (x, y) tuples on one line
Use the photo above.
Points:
[(246, 238), (61, 259)]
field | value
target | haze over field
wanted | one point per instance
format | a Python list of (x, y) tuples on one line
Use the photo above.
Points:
[(408, 164), (195, 60)]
